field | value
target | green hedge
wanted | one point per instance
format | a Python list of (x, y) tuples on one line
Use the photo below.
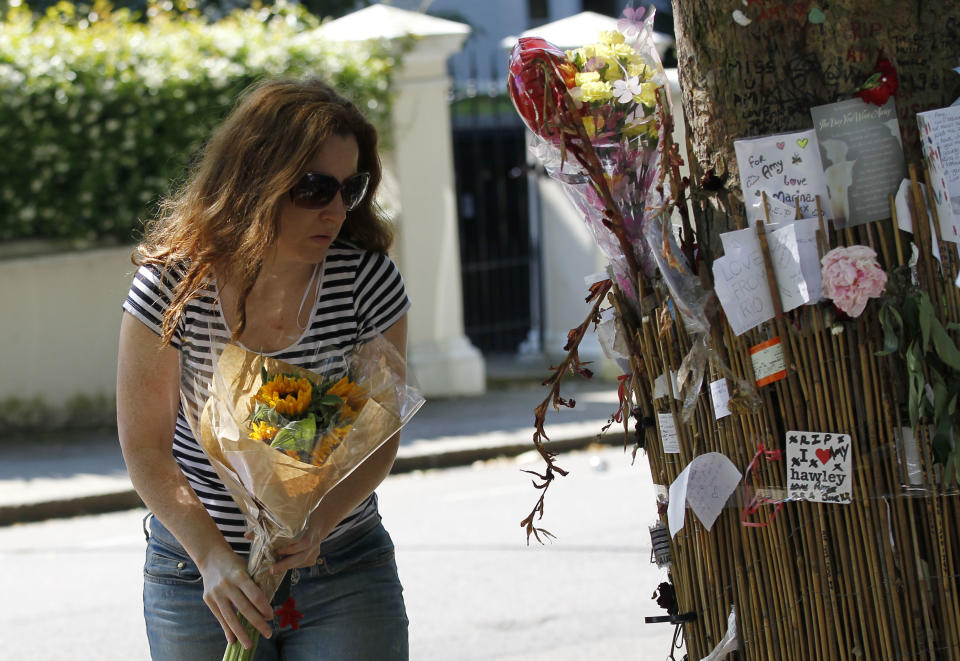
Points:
[(99, 113)]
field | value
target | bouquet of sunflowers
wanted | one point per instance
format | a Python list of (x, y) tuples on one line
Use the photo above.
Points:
[(281, 436), (289, 409)]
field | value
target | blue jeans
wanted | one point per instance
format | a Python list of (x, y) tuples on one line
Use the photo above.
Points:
[(351, 600)]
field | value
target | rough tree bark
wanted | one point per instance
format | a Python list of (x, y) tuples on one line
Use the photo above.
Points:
[(763, 77)]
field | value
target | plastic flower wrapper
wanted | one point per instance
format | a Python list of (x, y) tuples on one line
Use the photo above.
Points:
[(594, 110), (281, 437)]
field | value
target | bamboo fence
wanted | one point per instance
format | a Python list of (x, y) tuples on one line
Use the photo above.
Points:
[(873, 579)]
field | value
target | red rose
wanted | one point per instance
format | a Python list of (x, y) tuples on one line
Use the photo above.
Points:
[(882, 85), (535, 66)]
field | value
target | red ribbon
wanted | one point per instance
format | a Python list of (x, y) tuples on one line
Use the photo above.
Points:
[(755, 501)]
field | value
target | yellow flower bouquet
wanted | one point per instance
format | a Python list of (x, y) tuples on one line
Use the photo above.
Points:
[(281, 436)]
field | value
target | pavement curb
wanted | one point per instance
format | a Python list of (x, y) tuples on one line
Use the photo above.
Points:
[(128, 499)]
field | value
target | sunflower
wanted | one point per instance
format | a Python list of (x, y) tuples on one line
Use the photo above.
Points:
[(325, 446), (352, 393), (261, 431), (287, 395)]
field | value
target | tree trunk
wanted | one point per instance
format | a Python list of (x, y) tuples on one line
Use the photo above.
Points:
[(763, 77)]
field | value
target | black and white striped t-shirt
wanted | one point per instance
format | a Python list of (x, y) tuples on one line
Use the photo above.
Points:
[(361, 293)]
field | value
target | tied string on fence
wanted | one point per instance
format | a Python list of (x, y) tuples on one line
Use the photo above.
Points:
[(754, 500)]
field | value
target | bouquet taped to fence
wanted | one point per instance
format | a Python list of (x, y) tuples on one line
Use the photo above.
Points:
[(281, 437), (601, 115)]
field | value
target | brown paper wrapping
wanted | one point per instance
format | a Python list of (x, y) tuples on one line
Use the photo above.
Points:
[(276, 492)]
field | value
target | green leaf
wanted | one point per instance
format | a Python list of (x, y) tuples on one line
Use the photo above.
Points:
[(331, 400), (892, 324), (916, 382), (297, 435), (944, 346), (943, 439), (926, 316)]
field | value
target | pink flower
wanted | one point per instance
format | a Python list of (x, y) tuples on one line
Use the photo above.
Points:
[(852, 276)]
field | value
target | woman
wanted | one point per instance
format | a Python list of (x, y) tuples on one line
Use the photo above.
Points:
[(274, 243)]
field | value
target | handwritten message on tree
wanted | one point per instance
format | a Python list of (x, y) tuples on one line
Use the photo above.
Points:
[(818, 467)]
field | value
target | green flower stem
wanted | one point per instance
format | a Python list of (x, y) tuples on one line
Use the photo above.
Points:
[(236, 651)]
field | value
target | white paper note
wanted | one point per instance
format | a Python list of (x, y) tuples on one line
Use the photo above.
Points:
[(705, 484), (905, 221), (677, 506), (668, 433), (787, 167), (721, 398), (740, 281), (661, 387)]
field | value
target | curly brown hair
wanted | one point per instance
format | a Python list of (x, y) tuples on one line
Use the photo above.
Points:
[(227, 213)]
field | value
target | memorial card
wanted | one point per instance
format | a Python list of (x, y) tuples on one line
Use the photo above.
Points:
[(787, 168), (940, 136), (818, 467), (862, 158)]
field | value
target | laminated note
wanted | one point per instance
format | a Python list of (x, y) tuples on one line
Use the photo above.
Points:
[(740, 281), (818, 467), (940, 137), (768, 362), (862, 158)]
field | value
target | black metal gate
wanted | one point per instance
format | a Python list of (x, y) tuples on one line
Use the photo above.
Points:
[(497, 255)]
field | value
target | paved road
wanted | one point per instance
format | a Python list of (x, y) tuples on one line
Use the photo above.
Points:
[(474, 589)]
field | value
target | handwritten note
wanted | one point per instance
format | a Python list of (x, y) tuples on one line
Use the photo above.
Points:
[(740, 279), (705, 484), (818, 467), (940, 137), (721, 398), (787, 168), (668, 433), (862, 158)]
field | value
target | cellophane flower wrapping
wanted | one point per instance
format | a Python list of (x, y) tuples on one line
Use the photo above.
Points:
[(611, 89), (597, 114), (253, 420)]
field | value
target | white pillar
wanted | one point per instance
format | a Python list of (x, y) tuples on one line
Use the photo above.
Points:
[(420, 183)]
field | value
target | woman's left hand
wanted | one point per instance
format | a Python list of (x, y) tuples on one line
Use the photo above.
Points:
[(303, 551)]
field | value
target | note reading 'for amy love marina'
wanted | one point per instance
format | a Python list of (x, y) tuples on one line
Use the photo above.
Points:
[(787, 168)]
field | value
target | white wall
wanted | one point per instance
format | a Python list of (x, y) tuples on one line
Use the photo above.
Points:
[(60, 323)]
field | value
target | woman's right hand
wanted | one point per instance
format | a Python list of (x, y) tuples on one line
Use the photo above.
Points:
[(227, 589)]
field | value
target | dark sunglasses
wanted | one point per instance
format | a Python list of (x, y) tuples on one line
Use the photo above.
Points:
[(316, 190)]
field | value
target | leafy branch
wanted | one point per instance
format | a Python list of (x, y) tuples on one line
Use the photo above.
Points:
[(912, 330)]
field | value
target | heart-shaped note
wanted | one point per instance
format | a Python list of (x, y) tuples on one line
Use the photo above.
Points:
[(816, 16), (781, 145), (802, 142), (824, 454)]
